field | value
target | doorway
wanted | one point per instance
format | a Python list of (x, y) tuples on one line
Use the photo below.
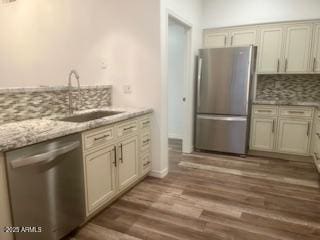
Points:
[(178, 73)]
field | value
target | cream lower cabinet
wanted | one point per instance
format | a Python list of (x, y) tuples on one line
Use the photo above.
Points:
[(294, 136), (263, 133), (128, 162), (100, 167), (281, 129), (112, 158)]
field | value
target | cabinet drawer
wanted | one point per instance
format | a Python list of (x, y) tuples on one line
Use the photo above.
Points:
[(296, 112), (265, 110), (97, 137), (127, 128), (146, 163), (145, 141), (145, 123)]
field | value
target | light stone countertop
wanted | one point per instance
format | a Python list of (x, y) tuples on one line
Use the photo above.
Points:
[(287, 103), (20, 134)]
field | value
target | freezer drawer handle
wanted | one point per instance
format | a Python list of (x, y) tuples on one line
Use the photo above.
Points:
[(220, 118), (44, 157)]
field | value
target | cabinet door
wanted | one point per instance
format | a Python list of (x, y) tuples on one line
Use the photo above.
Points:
[(298, 48), (263, 134), (271, 41), (243, 37), (128, 162), (100, 177), (294, 136), (215, 40), (316, 50)]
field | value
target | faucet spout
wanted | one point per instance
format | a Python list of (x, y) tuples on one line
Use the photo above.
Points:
[(77, 76)]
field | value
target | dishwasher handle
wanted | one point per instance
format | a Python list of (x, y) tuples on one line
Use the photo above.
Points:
[(44, 157)]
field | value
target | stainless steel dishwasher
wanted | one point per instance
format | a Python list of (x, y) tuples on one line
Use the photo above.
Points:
[(46, 187)]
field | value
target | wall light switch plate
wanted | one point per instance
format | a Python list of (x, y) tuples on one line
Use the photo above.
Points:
[(127, 89)]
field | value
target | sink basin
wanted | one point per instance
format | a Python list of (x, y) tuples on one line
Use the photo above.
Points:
[(86, 117)]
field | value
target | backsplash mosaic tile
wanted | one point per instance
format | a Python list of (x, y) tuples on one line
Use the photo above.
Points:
[(297, 87), (23, 104)]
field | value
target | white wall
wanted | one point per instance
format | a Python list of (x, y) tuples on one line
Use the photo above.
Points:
[(190, 11), (222, 13), (177, 46), (41, 40)]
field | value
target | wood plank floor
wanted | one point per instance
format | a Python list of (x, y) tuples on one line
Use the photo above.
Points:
[(210, 196)]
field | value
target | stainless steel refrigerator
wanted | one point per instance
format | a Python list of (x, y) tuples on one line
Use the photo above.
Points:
[(223, 99)]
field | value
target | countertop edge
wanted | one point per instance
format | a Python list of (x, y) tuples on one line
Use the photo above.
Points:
[(57, 129)]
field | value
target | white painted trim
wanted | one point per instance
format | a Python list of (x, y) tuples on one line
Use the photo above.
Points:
[(159, 174), (175, 136)]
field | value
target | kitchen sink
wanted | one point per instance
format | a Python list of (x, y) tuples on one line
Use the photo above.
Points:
[(86, 117)]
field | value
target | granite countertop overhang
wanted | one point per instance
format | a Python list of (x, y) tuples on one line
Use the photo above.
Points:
[(24, 133), (287, 103)]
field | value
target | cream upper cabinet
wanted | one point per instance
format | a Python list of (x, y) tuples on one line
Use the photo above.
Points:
[(263, 133), (270, 49), (128, 162), (100, 177), (294, 136), (216, 39), (316, 50), (298, 48), (243, 37)]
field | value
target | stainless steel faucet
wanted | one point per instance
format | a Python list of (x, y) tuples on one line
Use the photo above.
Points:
[(71, 107)]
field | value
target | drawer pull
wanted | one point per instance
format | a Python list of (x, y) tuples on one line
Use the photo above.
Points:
[(145, 123), (308, 130), (318, 134), (100, 138), (146, 141), (129, 128), (265, 111), (316, 155), (146, 164), (296, 112)]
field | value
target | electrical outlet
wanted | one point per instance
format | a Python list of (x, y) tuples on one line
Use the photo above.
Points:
[(127, 89), (8, 1)]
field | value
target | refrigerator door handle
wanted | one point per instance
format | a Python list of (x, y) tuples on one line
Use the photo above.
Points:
[(199, 80), (223, 118)]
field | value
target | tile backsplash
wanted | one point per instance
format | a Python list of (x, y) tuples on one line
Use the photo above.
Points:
[(293, 87), (22, 104)]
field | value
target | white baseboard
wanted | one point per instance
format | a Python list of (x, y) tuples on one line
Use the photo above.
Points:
[(175, 136), (159, 174)]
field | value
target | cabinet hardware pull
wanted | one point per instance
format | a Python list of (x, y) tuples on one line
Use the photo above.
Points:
[(146, 141), (278, 65), (147, 122), (296, 112), (146, 164), (99, 138), (316, 155), (318, 134), (231, 40), (225, 41), (264, 110), (115, 156), (286, 65), (128, 128), (121, 151), (273, 125), (314, 64), (308, 130)]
